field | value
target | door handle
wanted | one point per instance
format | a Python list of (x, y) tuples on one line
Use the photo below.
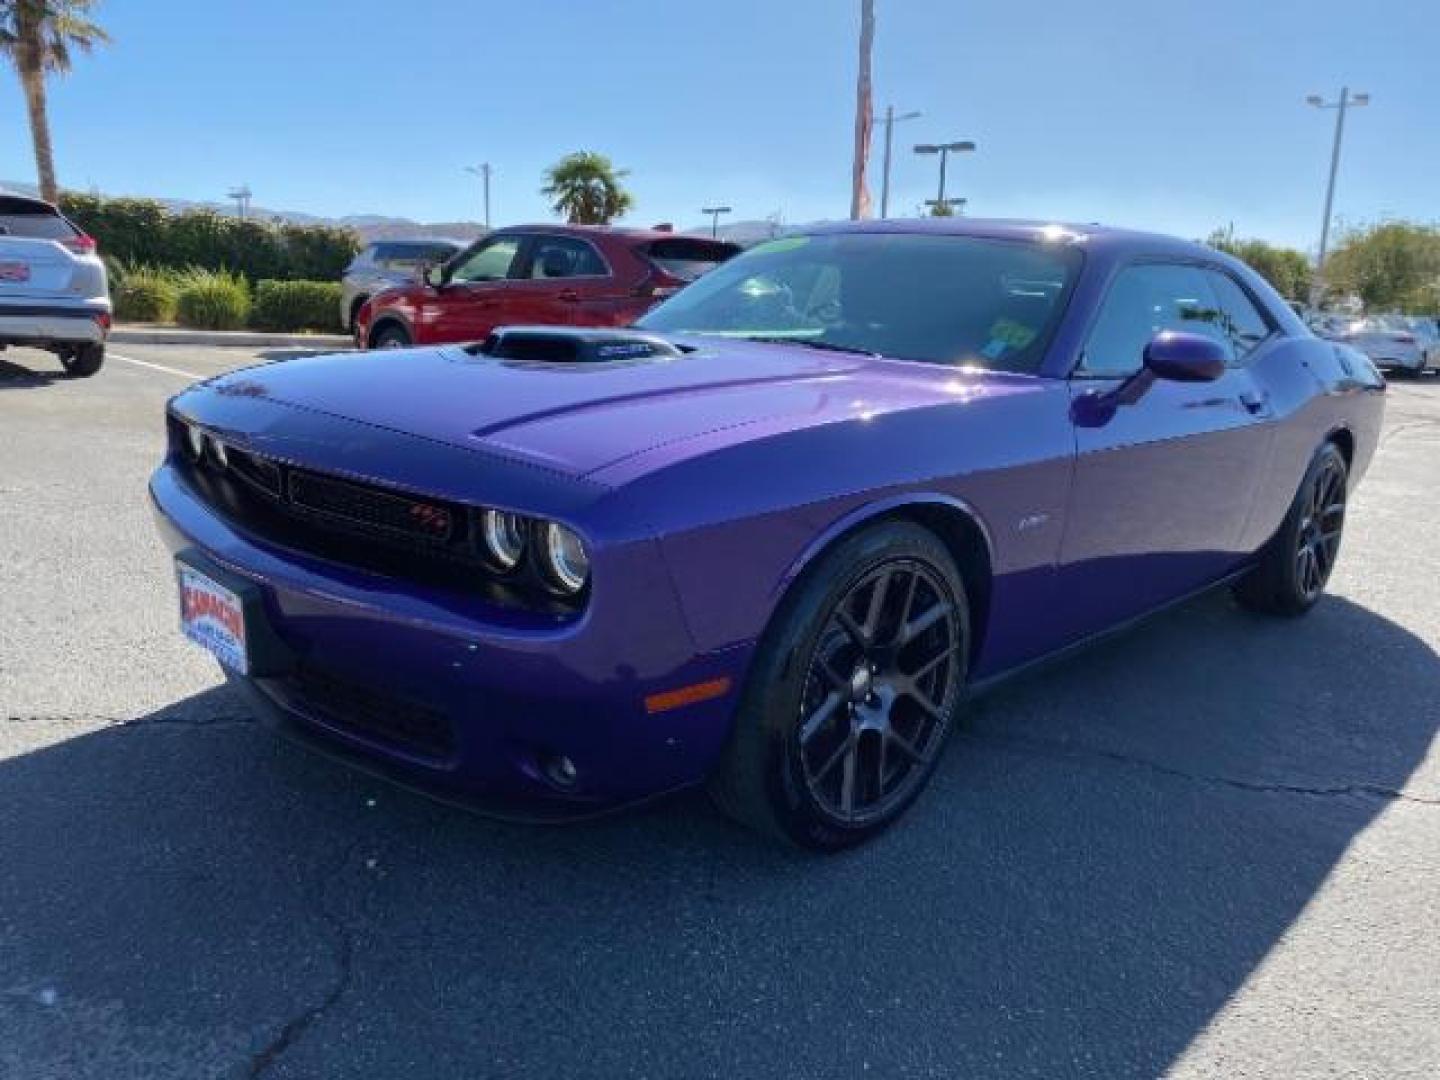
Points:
[(569, 295), (1257, 404)]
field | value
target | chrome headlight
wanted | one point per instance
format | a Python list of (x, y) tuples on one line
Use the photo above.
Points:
[(564, 558), (503, 535)]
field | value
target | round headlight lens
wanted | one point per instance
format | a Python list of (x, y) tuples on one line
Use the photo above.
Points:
[(566, 560), (218, 451), (504, 537), (194, 442)]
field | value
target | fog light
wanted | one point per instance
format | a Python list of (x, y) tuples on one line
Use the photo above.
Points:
[(560, 771)]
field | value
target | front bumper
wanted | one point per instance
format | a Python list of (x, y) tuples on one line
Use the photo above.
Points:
[(54, 323), (1395, 356), (374, 669)]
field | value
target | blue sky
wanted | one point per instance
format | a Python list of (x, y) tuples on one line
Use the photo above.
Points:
[(1175, 116)]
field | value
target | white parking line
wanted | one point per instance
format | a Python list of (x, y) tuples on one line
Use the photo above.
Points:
[(157, 367)]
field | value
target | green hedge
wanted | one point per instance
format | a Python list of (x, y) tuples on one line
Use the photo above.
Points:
[(297, 305), (212, 300), (143, 231), (144, 293)]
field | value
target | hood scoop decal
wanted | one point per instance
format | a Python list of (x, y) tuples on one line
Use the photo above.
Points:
[(573, 345)]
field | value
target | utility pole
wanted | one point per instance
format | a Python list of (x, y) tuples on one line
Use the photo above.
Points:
[(1347, 100), (715, 212), (483, 171), (889, 120)]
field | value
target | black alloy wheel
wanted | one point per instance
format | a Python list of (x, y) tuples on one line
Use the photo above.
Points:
[(854, 687)]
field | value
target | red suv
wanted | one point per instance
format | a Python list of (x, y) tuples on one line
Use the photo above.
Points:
[(570, 275)]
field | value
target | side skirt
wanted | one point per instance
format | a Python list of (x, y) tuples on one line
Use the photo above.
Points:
[(981, 687)]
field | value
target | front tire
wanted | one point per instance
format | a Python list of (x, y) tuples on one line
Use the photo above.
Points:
[(82, 361), (1296, 565), (392, 336), (855, 686)]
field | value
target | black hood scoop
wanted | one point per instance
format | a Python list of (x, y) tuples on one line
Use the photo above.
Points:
[(574, 345)]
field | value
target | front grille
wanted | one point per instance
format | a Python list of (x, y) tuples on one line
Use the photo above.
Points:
[(351, 706), (371, 527), (421, 520)]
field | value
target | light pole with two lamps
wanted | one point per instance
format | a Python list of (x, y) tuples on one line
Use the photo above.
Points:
[(1347, 101), (715, 212), (944, 150)]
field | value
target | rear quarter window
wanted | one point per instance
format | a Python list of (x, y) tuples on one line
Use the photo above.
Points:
[(687, 258), (33, 221)]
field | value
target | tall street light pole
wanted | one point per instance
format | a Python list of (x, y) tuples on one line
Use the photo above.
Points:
[(241, 195), (483, 171), (715, 212), (1347, 101), (944, 150), (889, 120)]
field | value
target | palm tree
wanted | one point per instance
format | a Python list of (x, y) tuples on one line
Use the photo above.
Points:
[(585, 187), (39, 37)]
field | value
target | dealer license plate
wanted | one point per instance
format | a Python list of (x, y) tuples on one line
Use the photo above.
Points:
[(212, 617)]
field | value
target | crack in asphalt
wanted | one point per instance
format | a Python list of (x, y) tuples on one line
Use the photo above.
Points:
[(222, 720), (1371, 791), (99, 720), (295, 1028)]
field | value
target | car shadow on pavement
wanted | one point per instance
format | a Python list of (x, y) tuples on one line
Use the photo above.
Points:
[(20, 377), (1106, 855)]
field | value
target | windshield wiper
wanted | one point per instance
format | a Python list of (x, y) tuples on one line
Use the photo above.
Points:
[(809, 343)]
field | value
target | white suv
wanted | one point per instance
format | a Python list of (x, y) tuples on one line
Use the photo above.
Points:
[(53, 292)]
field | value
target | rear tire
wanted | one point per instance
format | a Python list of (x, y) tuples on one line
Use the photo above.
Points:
[(392, 336), (850, 699), (1296, 564), (82, 361)]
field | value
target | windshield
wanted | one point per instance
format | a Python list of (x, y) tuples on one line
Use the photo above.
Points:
[(954, 300)]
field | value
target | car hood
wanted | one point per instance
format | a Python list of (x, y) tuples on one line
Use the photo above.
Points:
[(579, 418)]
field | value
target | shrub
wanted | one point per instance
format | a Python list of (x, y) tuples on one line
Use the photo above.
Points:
[(297, 305), (144, 294), (144, 231), (212, 300)]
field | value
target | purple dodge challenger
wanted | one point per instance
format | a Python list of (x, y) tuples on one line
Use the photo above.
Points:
[(771, 538)]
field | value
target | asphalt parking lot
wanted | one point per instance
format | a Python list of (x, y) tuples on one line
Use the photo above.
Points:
[(1210, 848)]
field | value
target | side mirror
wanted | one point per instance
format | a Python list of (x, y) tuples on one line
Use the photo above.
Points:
[(1182, 357), (1172, 355), (433, 275)]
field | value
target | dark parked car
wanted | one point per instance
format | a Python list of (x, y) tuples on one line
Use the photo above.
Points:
[(774, 538), (568, 275)]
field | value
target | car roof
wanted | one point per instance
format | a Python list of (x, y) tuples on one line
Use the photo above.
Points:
[(15, 202), (419, 240), (619, 232), (1091, 235)]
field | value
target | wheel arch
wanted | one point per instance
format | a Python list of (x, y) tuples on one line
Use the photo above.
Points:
[(955, 522), (359, 301), (1344, 440), (384, 319)]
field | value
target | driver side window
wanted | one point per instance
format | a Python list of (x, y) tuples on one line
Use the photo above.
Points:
[(1143, 300), (489, 262)]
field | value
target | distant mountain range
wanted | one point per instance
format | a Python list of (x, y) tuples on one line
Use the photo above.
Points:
[(383, 227)]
